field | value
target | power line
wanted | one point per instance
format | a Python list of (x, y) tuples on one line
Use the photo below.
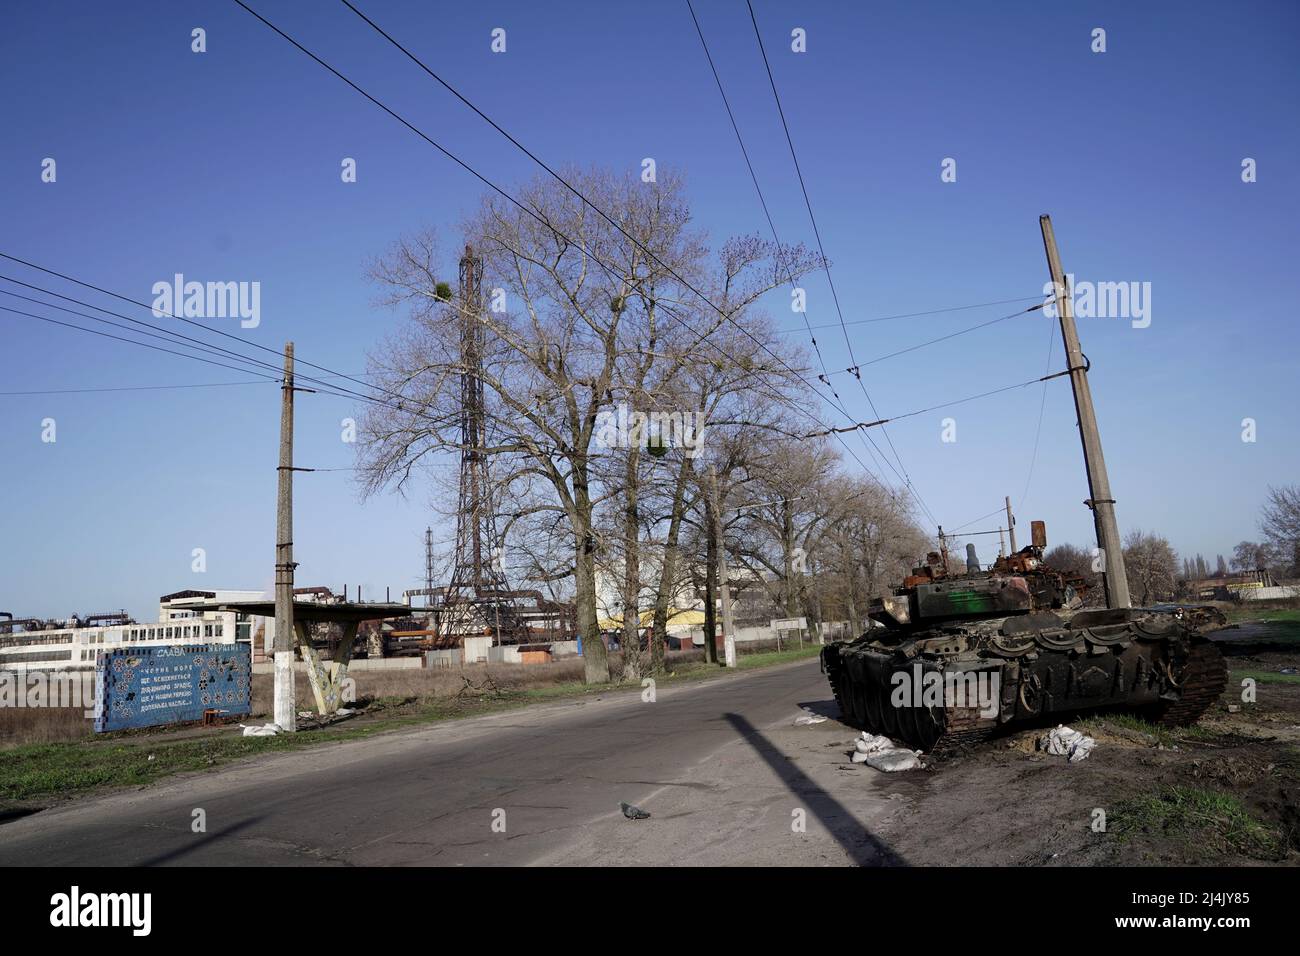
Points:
[(135, 388), (323, 388), (740, 141), (1038, 430), (958, 401), (119, 338), (830, 281), (188, 321), (423, 66), (214, 349), (868, 443), (995, 511), (197, 344), (942, 338), (700, 337), (493, 186), (914, 315), (145, 388), (527, 152), (776, 239)]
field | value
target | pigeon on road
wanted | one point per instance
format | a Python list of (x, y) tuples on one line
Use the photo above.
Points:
[(633, 813)]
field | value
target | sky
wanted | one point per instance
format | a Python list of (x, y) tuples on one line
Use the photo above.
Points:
[(225, 166)]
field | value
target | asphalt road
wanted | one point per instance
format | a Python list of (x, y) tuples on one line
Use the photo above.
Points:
[(720, 764)]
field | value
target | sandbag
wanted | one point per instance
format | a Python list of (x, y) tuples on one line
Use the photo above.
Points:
[(1065, 742)]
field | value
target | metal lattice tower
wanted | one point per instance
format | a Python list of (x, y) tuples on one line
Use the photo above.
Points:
[(428, 561), (477, 578), (478, 600), (475, 575)]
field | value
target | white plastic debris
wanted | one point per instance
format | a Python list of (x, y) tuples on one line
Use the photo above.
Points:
[(1064, 742), (873, 744), (893, 760), (881, 753), (266, 730), (807, 719)]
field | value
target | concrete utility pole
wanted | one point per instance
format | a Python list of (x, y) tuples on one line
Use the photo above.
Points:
[(724, 580), (1011, 525), (710, 583), (285, 713), (1101, 502)]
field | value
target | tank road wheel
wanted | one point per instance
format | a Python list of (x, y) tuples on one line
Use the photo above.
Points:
[(1202, 680)]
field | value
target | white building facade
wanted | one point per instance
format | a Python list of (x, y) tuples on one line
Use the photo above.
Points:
[(75, 648)]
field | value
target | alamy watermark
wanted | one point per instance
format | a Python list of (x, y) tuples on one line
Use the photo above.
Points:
[(48, 688), (656, 431), (209, 300), (960, 689), (1103, 300)]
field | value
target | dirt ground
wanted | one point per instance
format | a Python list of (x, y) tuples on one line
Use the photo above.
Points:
[(1223, 792)]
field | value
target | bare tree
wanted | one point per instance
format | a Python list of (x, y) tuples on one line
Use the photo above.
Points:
[(1076, 562), (561, 273), (1280, 523), (787, 517), (578, 314), (741, 377), (1152, 566), (1250, 556), (870, 543)]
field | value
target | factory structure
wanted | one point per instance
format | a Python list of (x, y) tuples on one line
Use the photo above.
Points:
[(72, 644), (423, 636)]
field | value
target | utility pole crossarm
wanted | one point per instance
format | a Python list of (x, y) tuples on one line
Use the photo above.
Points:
[(1101, 502)]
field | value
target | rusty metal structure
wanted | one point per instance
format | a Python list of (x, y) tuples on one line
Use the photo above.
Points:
[(27, 624), (478, 599), (952, 659)]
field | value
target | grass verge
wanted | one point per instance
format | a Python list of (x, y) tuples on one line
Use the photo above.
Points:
[(1274, 615), (1264, 677), (1203, 817), (1128, 725)]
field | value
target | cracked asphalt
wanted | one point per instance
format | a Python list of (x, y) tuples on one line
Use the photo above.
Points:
[(726, 774)]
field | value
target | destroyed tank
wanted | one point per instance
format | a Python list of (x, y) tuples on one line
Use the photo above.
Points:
[(952, 659)]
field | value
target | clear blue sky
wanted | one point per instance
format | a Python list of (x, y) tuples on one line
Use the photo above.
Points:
[(225, 166)]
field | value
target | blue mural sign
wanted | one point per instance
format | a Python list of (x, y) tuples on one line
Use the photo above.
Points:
[(148, 686)]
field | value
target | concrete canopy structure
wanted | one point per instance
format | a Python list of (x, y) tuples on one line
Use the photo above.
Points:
[(316, 612), (326, 682)]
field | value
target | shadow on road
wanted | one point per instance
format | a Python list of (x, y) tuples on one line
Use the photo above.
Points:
[(823, 708), (858, 842), (171, 855)]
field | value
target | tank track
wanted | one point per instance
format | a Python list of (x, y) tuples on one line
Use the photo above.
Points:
[(1201, 682), (959, 742), (1204, 679)]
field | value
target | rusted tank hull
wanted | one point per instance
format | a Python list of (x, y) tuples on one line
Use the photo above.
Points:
[(937, 690)]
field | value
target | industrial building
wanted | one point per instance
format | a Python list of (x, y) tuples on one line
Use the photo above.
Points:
[(71, 644)]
